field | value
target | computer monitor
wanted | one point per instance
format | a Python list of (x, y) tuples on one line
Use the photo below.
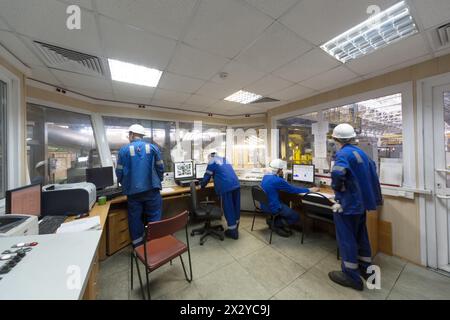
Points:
[(101, 177), (26, 200), (200, 170), (183, 170), (303, 173)]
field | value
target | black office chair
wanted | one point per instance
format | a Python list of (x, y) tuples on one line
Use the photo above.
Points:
[(317, 207), (206, 211), (260, 196)]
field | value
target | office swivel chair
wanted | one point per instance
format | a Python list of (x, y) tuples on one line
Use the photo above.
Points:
[(317, 207), (206, 211), (260, 196)]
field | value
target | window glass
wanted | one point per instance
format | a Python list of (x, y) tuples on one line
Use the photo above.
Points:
[(161, 133), (3, 162), (249, 147), (378, 124), (60, 145)]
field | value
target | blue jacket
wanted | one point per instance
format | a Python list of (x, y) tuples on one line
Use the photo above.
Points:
[(139, 167), (272, 184), (225, 179), (355, 181)]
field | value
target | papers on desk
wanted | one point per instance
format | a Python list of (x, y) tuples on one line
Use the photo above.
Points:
[(166, 190), (86, 224)]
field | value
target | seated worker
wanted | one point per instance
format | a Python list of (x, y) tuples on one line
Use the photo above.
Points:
[(272, 183), (228, 188), (140, 171)]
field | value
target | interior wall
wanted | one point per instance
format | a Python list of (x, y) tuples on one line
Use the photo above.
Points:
[(23, 93)]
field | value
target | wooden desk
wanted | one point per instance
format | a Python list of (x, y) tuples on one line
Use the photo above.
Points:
[(294, 201)]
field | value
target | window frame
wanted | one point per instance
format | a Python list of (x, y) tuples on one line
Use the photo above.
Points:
[(408, 123)]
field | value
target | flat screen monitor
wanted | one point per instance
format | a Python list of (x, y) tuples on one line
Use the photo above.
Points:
[(183, 170), (101, 177), (25, 200), (303, 173), (200, 170)]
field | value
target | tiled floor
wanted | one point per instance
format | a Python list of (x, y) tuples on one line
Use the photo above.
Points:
[(251, 269)]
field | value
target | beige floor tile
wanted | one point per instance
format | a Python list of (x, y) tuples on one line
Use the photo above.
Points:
[(208, 258), (114, 286), (245, 245), (188, 293)]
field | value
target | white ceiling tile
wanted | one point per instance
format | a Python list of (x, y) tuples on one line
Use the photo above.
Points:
[(239, 75), (166, 103), (78, 82), (135, 46), (273, 8), (43, 74), (307, 66), (199, 100), (164, 17), (399, 66), (294, 92), (217, 91), (170, 96), (176, 82), (223, 105), (225, 27), (432, 12), (15, 45), (391, 55), (276, 47), (268, 85), (127, 90), (329, 78), (45, 20), (195, 63), (321, 20)]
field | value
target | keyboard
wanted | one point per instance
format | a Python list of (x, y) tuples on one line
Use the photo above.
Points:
[(49, 224), (110, 193)]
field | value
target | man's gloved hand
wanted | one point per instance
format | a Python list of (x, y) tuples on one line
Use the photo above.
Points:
[(337, 208)]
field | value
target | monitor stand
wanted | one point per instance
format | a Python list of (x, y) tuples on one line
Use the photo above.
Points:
[(186, 183)]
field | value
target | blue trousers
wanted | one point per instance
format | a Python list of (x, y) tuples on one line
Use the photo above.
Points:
[(143, 208), (231, 206), (353, 242), (288, 214)]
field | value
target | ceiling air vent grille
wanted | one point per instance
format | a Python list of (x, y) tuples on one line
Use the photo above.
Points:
[(265, 99), (70, 60), (444, 34)]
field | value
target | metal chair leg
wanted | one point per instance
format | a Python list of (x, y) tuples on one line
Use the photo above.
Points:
[(148, 284), (303, 230), (271, 229), (184, 270), (139, 276), (253, 223), (131, 265)]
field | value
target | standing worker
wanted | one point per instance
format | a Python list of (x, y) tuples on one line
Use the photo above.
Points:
[(272, 184), (357, 189), (228, 188), (140, 171)]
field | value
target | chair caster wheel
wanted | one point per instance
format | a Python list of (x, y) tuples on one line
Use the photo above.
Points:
[(201, 243), (192, 234)]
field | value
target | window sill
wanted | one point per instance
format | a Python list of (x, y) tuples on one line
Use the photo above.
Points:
[(403, 192)]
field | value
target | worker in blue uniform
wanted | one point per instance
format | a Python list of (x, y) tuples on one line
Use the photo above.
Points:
[(228, 188), (140, 171), (272, 184), (357, 190)]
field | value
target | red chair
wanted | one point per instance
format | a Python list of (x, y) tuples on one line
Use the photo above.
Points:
[(161, 247)]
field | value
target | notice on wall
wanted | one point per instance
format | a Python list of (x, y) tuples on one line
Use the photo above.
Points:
[(320, 131)]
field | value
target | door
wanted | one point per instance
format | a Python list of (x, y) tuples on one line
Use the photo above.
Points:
[(441, 194)]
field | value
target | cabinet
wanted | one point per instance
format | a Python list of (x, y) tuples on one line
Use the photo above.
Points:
[(92, 287), (118, 235)]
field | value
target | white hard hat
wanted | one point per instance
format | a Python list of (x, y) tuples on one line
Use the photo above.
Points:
[(212, 151), (40, 164), (344, 131), (138, 129), (278, 164)]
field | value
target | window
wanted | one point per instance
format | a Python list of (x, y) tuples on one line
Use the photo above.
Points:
[(3, 163), (60, 144), (378, 123), (161, 133), (249, 147)]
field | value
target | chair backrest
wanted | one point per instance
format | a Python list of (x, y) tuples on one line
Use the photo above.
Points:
[(317, 203), (194, 197), (166, 227), (259, 195)]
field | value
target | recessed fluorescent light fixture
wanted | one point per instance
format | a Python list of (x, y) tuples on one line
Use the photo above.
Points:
[(380, 30), (132, 73), (243, 97)]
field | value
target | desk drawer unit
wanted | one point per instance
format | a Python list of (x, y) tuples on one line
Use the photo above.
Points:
[(118, 235), (92, 288)]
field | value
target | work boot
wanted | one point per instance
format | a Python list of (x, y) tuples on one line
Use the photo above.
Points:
[(342, 279), (232, 234), (363, 272), (281, 232)]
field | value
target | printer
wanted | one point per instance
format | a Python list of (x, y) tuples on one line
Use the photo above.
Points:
[(68, 199), (14, 225)]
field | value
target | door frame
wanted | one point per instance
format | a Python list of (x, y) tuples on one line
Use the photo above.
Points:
[(426, 167)]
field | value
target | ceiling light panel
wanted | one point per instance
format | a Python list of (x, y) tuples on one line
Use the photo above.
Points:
[(135, 74), (243, 97), (387, 27)]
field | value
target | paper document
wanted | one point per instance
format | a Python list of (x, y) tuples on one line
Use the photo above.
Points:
[(168, 190), (86, 224)]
